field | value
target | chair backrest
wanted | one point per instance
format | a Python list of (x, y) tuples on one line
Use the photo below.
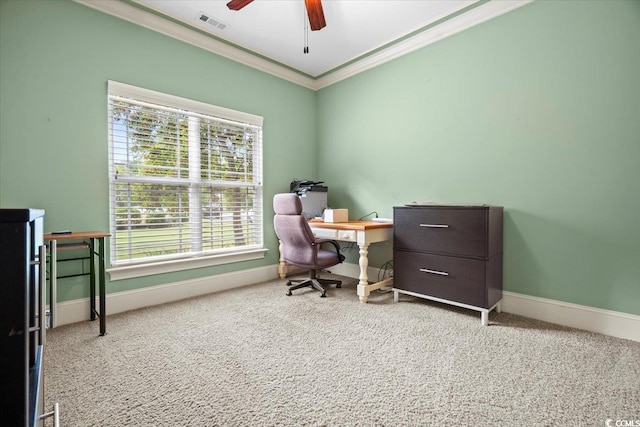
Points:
[(293, 230)]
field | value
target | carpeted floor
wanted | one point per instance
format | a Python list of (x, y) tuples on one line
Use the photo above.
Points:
[(255, 357)]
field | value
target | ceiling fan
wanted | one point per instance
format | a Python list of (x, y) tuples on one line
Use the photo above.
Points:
[(314, 11)]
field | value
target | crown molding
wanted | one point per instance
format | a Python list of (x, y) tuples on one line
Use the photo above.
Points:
[(153, 22), (478, 15), (406, 35)]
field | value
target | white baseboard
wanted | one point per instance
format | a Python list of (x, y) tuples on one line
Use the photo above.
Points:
[(353, 270), (607, 322), (78, 310)]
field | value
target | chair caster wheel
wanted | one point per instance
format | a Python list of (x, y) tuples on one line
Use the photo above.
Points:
[(323, 295), (339, 285), (289, 294)]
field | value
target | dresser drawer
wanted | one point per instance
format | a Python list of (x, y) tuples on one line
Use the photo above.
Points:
[(456, 279), (461, 232)]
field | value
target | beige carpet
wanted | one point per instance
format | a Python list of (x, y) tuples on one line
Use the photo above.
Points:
[(255, 357)]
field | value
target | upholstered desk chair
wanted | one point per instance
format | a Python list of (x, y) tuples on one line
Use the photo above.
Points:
[(298, 245)]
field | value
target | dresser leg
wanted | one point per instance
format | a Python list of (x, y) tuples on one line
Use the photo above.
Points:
[(499, 307), (484, 318), (396, 294)]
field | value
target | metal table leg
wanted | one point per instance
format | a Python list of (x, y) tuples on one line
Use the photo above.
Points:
[(92, 280), (103, 302)]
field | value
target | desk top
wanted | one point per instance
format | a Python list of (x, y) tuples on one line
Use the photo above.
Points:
[(76, 235), (350, 225)]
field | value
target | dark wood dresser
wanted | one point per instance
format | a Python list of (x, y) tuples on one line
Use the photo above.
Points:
[(450, 254)]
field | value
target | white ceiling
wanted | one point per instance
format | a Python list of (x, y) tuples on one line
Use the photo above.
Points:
[(275, 28), (270, 35)]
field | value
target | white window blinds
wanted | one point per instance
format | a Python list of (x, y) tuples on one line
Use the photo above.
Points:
[(185, 177)]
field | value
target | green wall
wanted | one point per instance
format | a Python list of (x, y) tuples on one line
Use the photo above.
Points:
[(537, 111), (55, 60)]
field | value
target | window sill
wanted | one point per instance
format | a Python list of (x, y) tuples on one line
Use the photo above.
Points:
[(131, 271)]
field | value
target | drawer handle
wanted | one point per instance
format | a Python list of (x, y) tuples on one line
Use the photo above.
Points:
[(441, 273), (435, 225)]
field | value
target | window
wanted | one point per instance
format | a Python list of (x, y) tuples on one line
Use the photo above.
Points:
[(185, 178)]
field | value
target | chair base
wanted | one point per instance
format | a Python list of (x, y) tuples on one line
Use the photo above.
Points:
[(314, 282)]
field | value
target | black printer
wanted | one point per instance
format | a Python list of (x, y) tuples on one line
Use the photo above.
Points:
[(313, 196)]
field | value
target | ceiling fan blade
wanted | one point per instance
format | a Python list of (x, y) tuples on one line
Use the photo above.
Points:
[(238, 4), (315, 13)]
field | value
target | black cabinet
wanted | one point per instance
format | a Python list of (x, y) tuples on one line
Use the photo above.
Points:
[(451, 254), (22, 316)]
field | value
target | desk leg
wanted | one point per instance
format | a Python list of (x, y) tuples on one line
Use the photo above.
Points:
[(282, 266), (363, 284), (103, 302), (92, 280)]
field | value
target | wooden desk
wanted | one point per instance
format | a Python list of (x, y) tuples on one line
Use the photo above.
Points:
[(361, 232), (80, 240)]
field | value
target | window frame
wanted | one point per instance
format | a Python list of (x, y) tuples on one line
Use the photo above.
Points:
[(188, 260)]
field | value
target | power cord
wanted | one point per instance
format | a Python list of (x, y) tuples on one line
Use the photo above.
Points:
[(385, 272), (348, 247), (364, 216)]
